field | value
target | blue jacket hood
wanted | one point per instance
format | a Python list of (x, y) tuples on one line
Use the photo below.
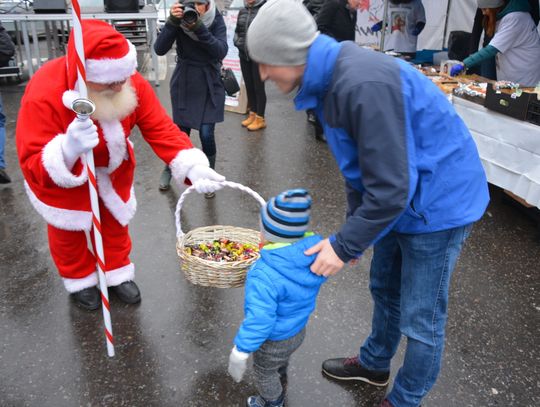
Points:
[(291, 263)]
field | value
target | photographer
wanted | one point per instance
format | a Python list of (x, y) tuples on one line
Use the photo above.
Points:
[(197, 93)]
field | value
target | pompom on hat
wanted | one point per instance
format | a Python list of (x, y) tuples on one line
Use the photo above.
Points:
[(110, 57), (285, 218)]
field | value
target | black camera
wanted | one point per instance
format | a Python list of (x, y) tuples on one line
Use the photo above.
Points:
[(191, 15)]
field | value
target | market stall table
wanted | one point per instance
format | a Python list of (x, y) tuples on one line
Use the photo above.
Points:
[(509, 149)]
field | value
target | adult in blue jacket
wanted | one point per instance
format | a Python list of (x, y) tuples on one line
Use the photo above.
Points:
[(414, 183), (197, 92)]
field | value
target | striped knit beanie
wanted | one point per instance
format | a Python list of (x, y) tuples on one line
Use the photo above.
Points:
[(285, 217)]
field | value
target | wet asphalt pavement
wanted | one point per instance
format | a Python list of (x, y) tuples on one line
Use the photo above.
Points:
[(172, 349)]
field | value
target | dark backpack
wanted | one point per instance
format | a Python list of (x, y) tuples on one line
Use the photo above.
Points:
[(7, 48)]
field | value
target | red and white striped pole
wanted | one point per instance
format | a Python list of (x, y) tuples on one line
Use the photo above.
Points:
[(84, 108)]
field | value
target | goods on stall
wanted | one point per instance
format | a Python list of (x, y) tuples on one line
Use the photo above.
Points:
[(509, 99), (444, 82), (473, 89)]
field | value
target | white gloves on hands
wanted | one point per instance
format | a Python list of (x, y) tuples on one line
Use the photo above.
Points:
[(237, 364), (205, 179), (81, 137)]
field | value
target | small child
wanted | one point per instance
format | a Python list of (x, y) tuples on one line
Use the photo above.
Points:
[(280, 295)]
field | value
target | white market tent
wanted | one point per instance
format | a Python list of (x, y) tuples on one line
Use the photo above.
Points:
[(442, 17)]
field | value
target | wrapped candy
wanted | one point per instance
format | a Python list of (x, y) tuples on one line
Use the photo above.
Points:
[(221, 250)]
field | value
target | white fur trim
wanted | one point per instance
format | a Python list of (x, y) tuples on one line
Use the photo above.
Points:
[(65, 219), (120, 275), (114, 135), (53, 161), (69, 97), (77, 284), (122, 211), (184, 160), (110, 70)]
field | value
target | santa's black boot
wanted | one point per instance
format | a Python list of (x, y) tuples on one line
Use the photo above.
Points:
[(88, 298)]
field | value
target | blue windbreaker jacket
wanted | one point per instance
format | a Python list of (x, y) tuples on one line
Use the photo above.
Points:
[(281, 292), (409, 162)]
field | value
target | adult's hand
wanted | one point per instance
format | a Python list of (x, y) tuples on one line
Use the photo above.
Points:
[(177, 10), (327, 262), (205, 179), (81, 137), (457, 69), (376, 27)]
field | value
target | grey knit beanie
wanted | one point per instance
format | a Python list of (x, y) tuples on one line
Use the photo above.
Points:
[(281, 33), (490, 3)]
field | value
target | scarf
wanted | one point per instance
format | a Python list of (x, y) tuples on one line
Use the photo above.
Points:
[(207, 19)]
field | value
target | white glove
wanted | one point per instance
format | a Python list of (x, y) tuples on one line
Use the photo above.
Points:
[(237, 364), (205, 179), (81, 137)]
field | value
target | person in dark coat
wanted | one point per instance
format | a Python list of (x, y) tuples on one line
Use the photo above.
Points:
[(250, 69), (313, 6), (197, 92), (337, 19)]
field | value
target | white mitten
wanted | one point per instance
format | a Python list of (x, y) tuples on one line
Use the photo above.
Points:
[(205, 179), (237, 364), (81, 137)]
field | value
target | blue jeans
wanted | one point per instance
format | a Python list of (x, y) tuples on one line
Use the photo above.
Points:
[(2, 134), (206, 134), (409, 280)]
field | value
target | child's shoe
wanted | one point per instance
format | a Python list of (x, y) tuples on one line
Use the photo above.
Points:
[(258, 124), (258, 401), (249, 120)]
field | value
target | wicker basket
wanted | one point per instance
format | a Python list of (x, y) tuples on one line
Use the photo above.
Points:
[(211, 273)]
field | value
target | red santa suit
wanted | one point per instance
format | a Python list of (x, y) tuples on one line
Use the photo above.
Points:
[(61, 195)]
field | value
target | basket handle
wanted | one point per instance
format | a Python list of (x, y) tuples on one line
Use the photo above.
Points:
[(229, 184)]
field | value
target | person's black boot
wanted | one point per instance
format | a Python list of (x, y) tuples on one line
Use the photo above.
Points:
[(319, 131), (165, 179), (88, 298), (351, 369), (4, 177), (127, 292)]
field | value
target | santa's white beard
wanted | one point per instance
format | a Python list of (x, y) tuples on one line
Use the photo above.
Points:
[(112, 105)]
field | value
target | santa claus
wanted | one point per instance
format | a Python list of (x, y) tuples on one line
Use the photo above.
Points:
[(51, 141)]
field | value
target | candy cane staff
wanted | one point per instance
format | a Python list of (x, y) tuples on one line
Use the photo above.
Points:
[(84, 108), (51, 141)]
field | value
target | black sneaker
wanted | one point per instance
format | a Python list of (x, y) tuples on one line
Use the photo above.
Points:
[(351, 369)]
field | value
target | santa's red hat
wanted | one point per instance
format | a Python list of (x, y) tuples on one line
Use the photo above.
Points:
[(110, 57)]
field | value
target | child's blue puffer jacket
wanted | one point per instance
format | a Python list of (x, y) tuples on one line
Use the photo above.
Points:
[(281, 292)]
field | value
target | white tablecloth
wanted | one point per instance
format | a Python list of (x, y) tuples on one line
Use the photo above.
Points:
[(509, 149)]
